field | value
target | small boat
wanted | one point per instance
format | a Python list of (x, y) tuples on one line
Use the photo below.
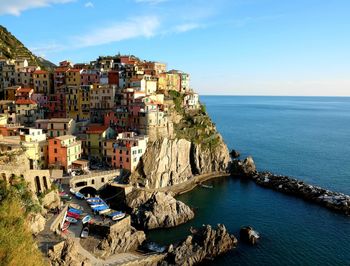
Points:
[(65, 226), (205, 186), (97, 205), (100, 208), (84, 232), (93, 200), (79, 195), (86, 219), (66, 197), (73, 215), (72, 191), (71, 220), (117, 215), (71, 209), (104, 211)]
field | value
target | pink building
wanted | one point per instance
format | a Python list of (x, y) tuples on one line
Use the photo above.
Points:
[(90, 77)]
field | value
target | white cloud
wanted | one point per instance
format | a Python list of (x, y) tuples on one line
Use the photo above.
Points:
[(133, 28), (186, 27), (89, 4), (15, 7)]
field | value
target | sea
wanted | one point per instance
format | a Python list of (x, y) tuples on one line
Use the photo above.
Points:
[(303, 137)]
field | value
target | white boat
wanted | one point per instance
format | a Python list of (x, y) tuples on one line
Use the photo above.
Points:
[(84, 232), (71, 220), (72, 191), (86, 219), (97, 205), (104, 211), (118, 216)]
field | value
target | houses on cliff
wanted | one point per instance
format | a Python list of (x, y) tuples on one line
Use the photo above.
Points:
[(102, 113)]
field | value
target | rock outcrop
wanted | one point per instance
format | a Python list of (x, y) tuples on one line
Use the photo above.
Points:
[(36, 223), (205, 242), (169, 162), (332, 200), (51, 200), (118, 238), (249, 235), (67, 253), (158, 210)]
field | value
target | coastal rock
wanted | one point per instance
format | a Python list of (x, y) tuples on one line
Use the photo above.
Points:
[(118, 238), (234, 154), (249, 235), (204, 243), (245, 168), (36, 223), (158, 210), (66, 253), (169, 162)]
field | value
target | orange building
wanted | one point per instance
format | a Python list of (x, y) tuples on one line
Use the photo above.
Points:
[(63, 151)]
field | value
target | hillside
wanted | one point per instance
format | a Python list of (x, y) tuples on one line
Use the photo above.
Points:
[(11, 48)]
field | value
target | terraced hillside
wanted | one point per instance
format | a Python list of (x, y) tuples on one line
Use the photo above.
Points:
[(11, 47)]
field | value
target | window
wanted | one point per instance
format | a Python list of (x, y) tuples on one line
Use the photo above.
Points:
[(127, 160), (102, 179), (55, 150)]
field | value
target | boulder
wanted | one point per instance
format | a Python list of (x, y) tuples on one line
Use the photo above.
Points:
[(36, 223), (234, 154), (51, 200), (249, 235), (158, 210), (245, 168), (67, 253), (204, 243)]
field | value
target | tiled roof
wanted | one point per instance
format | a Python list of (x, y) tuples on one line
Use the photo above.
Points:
[(96, 129), (74, 70), (61, 69), (40, 72), (25, 101), (24, 89)]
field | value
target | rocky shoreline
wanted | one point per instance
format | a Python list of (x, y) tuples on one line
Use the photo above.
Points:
[(334, 201)]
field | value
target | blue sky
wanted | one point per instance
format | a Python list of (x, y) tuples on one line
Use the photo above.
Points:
[(238, 47)]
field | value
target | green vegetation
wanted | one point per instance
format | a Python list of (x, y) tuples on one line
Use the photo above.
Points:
[(17, 246), (178, 99), (12, 48)]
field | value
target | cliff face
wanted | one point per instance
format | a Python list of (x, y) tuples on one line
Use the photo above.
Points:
[(170, 162)]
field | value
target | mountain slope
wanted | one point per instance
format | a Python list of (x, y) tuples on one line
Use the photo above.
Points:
[(11, 48)]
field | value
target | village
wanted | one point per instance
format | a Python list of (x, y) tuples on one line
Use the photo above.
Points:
[(84, 117)]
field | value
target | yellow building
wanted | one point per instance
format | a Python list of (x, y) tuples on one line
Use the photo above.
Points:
[(72, 102), (96, 135), (73, 77), (169, 81), (43, 82)]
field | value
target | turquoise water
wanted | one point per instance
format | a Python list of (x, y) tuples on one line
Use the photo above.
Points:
[(305, 137)]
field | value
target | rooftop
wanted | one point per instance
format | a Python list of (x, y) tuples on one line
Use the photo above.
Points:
[(96, 129), (25, 101)]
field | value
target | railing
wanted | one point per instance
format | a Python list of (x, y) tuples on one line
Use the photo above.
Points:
[(95, 174)]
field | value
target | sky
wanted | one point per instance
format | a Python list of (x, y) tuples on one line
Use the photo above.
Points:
[(230, 47)]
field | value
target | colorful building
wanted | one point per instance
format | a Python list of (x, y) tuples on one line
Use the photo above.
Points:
[(72, 102), (96, 135), (127, 150), (56, 127), (73, 77), (43, 82), (63, 151)]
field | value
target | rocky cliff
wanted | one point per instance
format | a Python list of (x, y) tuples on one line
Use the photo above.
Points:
[(170, 162), (157, 210), (195, 148), (204, 243)]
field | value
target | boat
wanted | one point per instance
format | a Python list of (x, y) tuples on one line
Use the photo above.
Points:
[(104, 211), (205, 186), (71, 220), (100, 208), (115, 216), (86, 219), (72, 191), (97, 205), (65, 226), (71, 209), (79, 195), (94, 200), (66, 197), (73, 215), (84, 232)]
